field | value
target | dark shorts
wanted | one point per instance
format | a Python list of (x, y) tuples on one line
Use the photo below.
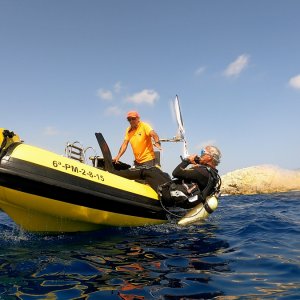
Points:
[(146, 164)]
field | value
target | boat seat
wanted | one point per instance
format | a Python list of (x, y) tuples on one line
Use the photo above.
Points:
[(99, 162)]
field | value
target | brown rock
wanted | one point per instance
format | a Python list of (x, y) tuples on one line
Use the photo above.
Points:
[(260, 180)]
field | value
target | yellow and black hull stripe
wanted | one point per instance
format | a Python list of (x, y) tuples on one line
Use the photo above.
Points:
[(45, 192)]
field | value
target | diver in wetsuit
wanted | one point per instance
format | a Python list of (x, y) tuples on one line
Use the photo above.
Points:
[(200, 180)]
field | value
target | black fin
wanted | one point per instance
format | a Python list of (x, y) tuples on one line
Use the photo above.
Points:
[(108, 165)]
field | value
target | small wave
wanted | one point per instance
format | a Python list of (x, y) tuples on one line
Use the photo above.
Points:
[(13, 235)]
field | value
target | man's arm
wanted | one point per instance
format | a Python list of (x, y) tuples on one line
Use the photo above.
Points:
[(180, 171), (155, 137), (121, 151)]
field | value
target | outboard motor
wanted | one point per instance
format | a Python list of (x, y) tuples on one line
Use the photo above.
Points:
[(6, 139)]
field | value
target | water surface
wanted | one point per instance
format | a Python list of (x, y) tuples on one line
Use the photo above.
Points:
[(248, 249)]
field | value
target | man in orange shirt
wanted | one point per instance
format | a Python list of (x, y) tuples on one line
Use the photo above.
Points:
[(140, 135)]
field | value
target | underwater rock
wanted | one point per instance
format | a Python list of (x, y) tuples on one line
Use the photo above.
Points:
[(261, 179)]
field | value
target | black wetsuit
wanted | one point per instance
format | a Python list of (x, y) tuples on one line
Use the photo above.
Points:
[(205, 178), (198, 174)]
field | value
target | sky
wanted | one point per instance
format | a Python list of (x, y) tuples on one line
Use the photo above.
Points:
[(70, 68)]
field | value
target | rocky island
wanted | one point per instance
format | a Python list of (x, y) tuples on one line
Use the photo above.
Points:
[(260, 179)]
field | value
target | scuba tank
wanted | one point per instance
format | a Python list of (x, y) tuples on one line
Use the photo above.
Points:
[(200, 211)]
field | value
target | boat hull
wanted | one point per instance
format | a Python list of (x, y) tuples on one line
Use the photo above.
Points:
[(43, 191), (62, 217)]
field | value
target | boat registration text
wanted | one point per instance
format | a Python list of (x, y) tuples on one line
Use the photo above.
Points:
[(75, 169)]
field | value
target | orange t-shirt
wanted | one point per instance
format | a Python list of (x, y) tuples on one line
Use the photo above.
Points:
[(141, 142)]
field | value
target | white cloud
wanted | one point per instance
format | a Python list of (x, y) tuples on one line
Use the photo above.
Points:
[(145, 96), (113, 111), (117, 87), (294, 82), (50, 131), (235, 68), (200, 71), (104, 94)]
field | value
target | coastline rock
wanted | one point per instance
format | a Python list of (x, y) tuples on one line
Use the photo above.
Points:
[(261, 179)]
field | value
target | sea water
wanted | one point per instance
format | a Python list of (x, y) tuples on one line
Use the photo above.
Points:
[(249, 248)]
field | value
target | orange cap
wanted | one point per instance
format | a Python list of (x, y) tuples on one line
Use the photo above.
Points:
[(133, 114)]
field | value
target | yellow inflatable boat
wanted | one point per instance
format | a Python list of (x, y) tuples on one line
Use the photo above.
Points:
[(45, 192)]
